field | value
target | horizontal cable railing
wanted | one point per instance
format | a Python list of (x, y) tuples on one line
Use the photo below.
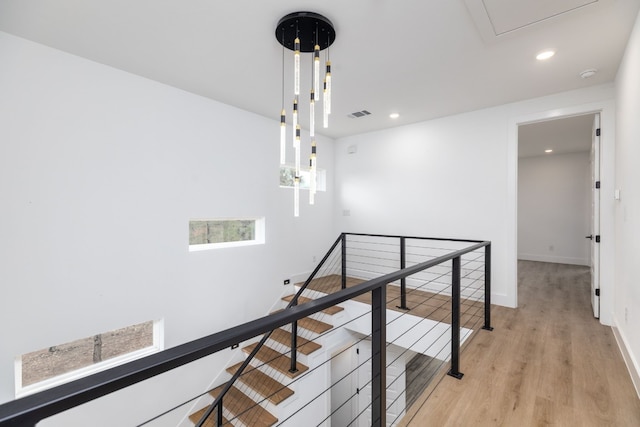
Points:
[(408, 304)]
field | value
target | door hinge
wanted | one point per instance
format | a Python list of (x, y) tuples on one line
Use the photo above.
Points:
[(357, 351), (597, 184), (357, 391), (598, 292), (598, 132), (598, 238)]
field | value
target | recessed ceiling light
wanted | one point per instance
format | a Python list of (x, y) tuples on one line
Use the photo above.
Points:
[(394, 115), (545, 54), (548, 151)]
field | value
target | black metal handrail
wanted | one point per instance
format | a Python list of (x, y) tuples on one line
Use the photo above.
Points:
[(29, 410)]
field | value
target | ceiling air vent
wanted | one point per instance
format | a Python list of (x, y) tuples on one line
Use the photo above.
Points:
[(359, 114)]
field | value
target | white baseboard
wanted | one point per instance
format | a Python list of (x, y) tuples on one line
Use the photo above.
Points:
[(627, 355), (554, 259)]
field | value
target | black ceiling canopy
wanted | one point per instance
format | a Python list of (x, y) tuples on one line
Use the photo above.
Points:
[(310, 27)]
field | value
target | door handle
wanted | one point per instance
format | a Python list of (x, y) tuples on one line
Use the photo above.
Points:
[(590, 237)]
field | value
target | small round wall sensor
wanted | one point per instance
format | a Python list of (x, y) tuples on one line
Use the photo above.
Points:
[(588, 73)]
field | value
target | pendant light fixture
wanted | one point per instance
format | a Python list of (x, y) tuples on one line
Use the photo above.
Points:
[(312, 174), (283, 119), (305, 32)]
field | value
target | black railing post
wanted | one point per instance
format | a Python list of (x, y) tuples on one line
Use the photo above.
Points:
[(344, 261), (379, 356), (294, 347), (487, 288), (455, 319), (219, 414), (403, 281)]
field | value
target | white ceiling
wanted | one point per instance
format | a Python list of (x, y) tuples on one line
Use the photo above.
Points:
[(422, 59), (566, 135)]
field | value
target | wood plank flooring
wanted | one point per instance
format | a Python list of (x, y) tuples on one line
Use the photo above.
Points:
[(421, 303), (547, 363)]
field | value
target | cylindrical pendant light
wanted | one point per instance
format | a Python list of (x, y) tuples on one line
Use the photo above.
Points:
[(312, 194), (312, 116), (296, 146), (316, 72), (283, 117), (325, 109), (312, 174), (296, 196), (296, 66), (295, 119), (327, 93)]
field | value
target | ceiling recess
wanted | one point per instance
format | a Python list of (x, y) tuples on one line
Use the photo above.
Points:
[(496, 18)]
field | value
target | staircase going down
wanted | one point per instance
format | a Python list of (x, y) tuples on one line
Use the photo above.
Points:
[(264, 376)]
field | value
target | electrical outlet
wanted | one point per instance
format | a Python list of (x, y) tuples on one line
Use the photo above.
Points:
[(287, 281)]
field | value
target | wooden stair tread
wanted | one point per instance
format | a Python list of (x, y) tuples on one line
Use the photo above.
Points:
[(244, 409), (312, 325), (304, 345), (210, 422), (277, 361), (301, 300), (262, 383)]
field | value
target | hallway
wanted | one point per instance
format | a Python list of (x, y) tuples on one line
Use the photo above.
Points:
[(548, 362)]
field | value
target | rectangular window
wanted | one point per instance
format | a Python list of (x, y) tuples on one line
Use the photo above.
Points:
[(224, 233), (288, 173), (66, 362)]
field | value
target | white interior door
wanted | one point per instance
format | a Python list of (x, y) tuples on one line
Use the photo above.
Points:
[(364, 383), (396, 384), (595, 217), (343, 383)]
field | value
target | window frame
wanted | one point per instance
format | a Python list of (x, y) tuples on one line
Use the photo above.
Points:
[(158, 345), (321, 178), (259, 235)]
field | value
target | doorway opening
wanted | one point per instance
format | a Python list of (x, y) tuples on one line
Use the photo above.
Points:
[(558, 202)]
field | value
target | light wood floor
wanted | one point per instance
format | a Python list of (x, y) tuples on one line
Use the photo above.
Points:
[(548, 362), (420, 303)]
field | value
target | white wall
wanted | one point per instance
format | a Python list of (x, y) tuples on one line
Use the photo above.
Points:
[(455, 177), (100, 172), (554, 205), (627, 212)]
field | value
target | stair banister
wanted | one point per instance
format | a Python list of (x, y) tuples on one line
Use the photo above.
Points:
[(294, 300), (294, 344)]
